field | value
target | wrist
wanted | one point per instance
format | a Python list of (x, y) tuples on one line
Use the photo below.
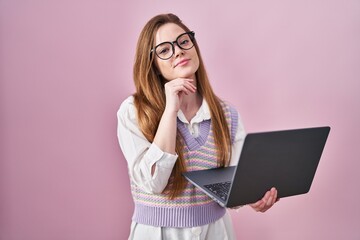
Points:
[(171, 112)]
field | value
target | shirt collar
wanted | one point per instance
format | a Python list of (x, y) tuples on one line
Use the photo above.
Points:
[(202, 114)]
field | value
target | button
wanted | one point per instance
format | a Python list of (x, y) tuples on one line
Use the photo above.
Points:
[(196, 231)]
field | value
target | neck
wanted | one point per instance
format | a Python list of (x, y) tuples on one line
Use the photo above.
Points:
[(190, 105)]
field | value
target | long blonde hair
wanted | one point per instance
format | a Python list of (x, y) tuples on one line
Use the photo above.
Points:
[(149, 100)]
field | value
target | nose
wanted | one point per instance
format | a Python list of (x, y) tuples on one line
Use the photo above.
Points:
[(177, 49)]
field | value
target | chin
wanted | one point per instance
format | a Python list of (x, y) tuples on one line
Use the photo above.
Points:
[(186, 74)]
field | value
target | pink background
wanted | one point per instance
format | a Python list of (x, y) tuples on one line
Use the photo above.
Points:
[(65, 67)]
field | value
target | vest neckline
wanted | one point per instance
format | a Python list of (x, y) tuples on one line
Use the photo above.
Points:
[(194, 143)]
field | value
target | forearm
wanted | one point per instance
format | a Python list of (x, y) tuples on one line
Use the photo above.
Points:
[(140, 154), (165, 137)]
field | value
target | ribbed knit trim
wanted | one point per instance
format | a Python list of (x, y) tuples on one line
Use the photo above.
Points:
[(204, 127), (234, 123), (191, 142), (178, 217)]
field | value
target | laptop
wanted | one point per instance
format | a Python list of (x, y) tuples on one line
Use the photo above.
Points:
[(286, 160)]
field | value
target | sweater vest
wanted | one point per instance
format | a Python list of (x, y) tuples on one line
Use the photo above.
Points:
[(192, 207)]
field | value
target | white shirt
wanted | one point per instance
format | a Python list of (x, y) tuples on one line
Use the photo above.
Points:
[(141, 154)]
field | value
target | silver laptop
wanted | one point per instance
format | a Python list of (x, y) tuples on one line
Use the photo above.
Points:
[(286, 160)]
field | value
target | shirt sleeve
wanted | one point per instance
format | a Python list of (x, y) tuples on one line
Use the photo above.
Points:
[(140, 154), (237, 143)]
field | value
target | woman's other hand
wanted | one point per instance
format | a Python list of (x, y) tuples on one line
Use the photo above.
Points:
[(266, 202)]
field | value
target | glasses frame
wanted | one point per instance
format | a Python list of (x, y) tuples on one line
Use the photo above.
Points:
[(192, 38)]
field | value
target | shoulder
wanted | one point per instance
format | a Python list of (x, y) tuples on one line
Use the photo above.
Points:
[(228, 108), (127, 109)]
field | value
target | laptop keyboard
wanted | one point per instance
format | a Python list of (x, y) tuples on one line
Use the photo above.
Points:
[(219, 189)]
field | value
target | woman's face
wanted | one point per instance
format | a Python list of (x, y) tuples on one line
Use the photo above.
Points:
[(184, 63)]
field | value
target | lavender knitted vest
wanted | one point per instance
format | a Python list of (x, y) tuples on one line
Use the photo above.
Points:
[(192, 207)]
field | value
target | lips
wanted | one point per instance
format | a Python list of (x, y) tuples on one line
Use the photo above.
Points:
[(182, 62)]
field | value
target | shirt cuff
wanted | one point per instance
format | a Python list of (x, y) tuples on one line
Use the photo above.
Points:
[(161, 158)]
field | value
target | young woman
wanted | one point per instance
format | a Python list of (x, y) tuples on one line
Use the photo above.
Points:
[(175, 123)]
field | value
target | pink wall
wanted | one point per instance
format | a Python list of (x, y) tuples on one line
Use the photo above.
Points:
[(65, 66)]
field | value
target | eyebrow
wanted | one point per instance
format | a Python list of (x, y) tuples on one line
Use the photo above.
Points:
[(170, 41)]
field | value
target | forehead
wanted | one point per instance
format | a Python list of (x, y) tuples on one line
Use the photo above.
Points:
[(168, 33)]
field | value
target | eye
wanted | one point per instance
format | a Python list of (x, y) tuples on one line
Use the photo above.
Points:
[(162, 50), (185, 42)]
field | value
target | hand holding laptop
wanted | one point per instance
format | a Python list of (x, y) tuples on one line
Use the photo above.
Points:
[(264, 204)]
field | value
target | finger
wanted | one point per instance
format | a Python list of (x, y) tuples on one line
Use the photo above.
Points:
[(255, 207), (273, 193), (267, 199), (256, 204), (275, 197), (264, 210), (266, 196), (182, 86), (187, 82), (272, 197), (183, 82), (190, 87), (261, 206), (270, 201), (185, 79)]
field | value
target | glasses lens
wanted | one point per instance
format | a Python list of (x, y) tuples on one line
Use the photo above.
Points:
[(164, 50), (184, 41)]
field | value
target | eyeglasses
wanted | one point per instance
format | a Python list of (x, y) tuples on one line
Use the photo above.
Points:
[(166, 50)]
